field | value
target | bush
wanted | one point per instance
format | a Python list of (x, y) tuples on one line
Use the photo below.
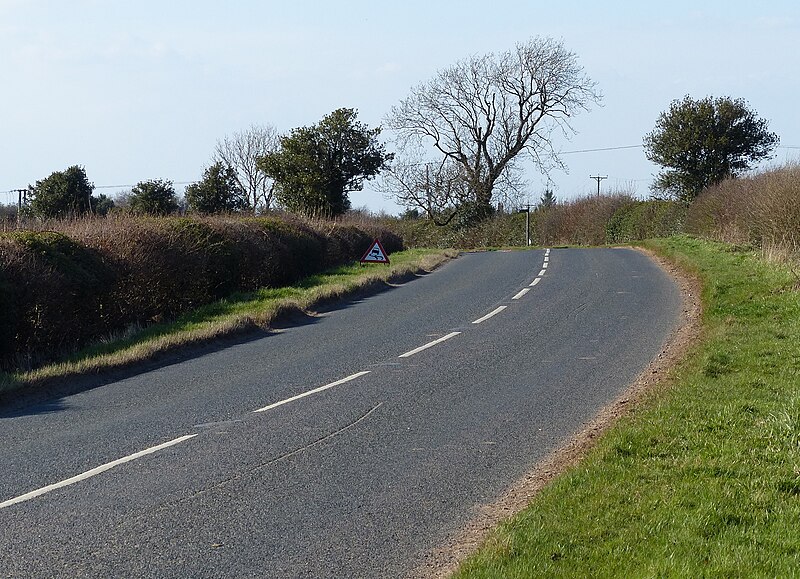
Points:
[(502, 230), (762, 210), (644, 220), (580, 222), (56, 294), (589, 221)]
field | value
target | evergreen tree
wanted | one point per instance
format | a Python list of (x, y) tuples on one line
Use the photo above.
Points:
[(153, 197), (218, 191), (700, 143)]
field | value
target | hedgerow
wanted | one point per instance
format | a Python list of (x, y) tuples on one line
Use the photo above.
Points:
[(60, 290)]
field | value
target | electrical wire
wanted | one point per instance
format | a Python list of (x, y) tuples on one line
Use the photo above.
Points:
[(603, 149), (599, 150)]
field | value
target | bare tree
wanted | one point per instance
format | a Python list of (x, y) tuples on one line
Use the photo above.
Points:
[(437, 188), (481, 113), (440, 189), (241, 152)]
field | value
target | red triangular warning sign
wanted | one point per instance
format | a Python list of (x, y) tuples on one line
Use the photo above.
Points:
[(375, 254)]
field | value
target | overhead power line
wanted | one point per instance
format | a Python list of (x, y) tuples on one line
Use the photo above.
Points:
[(599, 150), (603, 149), (131, 186), (114, 186)]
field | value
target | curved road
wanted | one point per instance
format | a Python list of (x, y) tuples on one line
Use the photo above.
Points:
[(339, 447)]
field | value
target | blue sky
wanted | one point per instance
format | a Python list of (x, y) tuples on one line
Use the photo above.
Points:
[(143, 90)]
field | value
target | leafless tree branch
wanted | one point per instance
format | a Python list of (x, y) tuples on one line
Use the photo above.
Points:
[(241, 152), (483, 112)]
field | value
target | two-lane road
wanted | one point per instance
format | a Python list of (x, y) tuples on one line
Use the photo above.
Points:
[(349, 446)]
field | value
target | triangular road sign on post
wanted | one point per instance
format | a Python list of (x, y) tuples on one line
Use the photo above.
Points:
[(375, 254)]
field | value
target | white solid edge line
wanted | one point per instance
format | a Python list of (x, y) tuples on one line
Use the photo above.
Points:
[(534, 282), (429, 344), (489, 315), (314, 391), (521, 293), (541, 273), (93, 472)]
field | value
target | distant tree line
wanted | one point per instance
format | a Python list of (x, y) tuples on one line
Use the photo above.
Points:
[(310, 171), (460, 138)]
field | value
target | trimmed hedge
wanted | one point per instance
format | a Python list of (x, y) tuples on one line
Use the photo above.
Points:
[(644, 220), (587, 221), (62, 290), (762, 210)]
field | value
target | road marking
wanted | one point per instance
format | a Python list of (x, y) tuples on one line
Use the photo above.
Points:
[(544, 265), (428, 345), (534, 282), (489, 315), (521, 293), (546, 258), (94, 472), (314, 391), (541, 273)]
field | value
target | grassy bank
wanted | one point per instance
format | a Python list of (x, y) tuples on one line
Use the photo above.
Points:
[(703, 480), (237, 313)]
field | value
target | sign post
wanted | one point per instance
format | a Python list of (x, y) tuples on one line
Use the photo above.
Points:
[(527, 211), (375, 254)]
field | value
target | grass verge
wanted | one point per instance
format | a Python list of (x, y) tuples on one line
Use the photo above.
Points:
[(226, 317), (703, 479)]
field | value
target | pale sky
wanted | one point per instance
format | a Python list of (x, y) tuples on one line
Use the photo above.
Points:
[(136, 90)]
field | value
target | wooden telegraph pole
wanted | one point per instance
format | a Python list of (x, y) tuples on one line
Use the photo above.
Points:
[(598, 178), (22, 197)]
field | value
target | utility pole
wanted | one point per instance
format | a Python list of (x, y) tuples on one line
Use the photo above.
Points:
[(526, 209), (22, 198), (598, 178)]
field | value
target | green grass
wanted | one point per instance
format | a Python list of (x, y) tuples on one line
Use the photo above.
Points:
[(703, 480), (235, 314)]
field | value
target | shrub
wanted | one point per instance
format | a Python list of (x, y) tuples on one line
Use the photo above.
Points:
[(56, 295), (579, 222), (762, 210), (644, 220), (61, 290)]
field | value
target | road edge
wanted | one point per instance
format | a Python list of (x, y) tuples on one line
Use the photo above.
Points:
[(443, 561)]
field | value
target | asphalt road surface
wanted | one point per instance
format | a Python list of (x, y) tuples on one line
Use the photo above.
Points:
[(339, 446)]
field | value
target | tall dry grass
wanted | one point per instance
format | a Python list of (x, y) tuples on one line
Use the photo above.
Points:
[(762, 210), (579, 222)]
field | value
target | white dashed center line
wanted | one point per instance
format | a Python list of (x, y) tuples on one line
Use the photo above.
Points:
[(93, 472), (490, 314), (429, 345), (314, 391), (521, 293)]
